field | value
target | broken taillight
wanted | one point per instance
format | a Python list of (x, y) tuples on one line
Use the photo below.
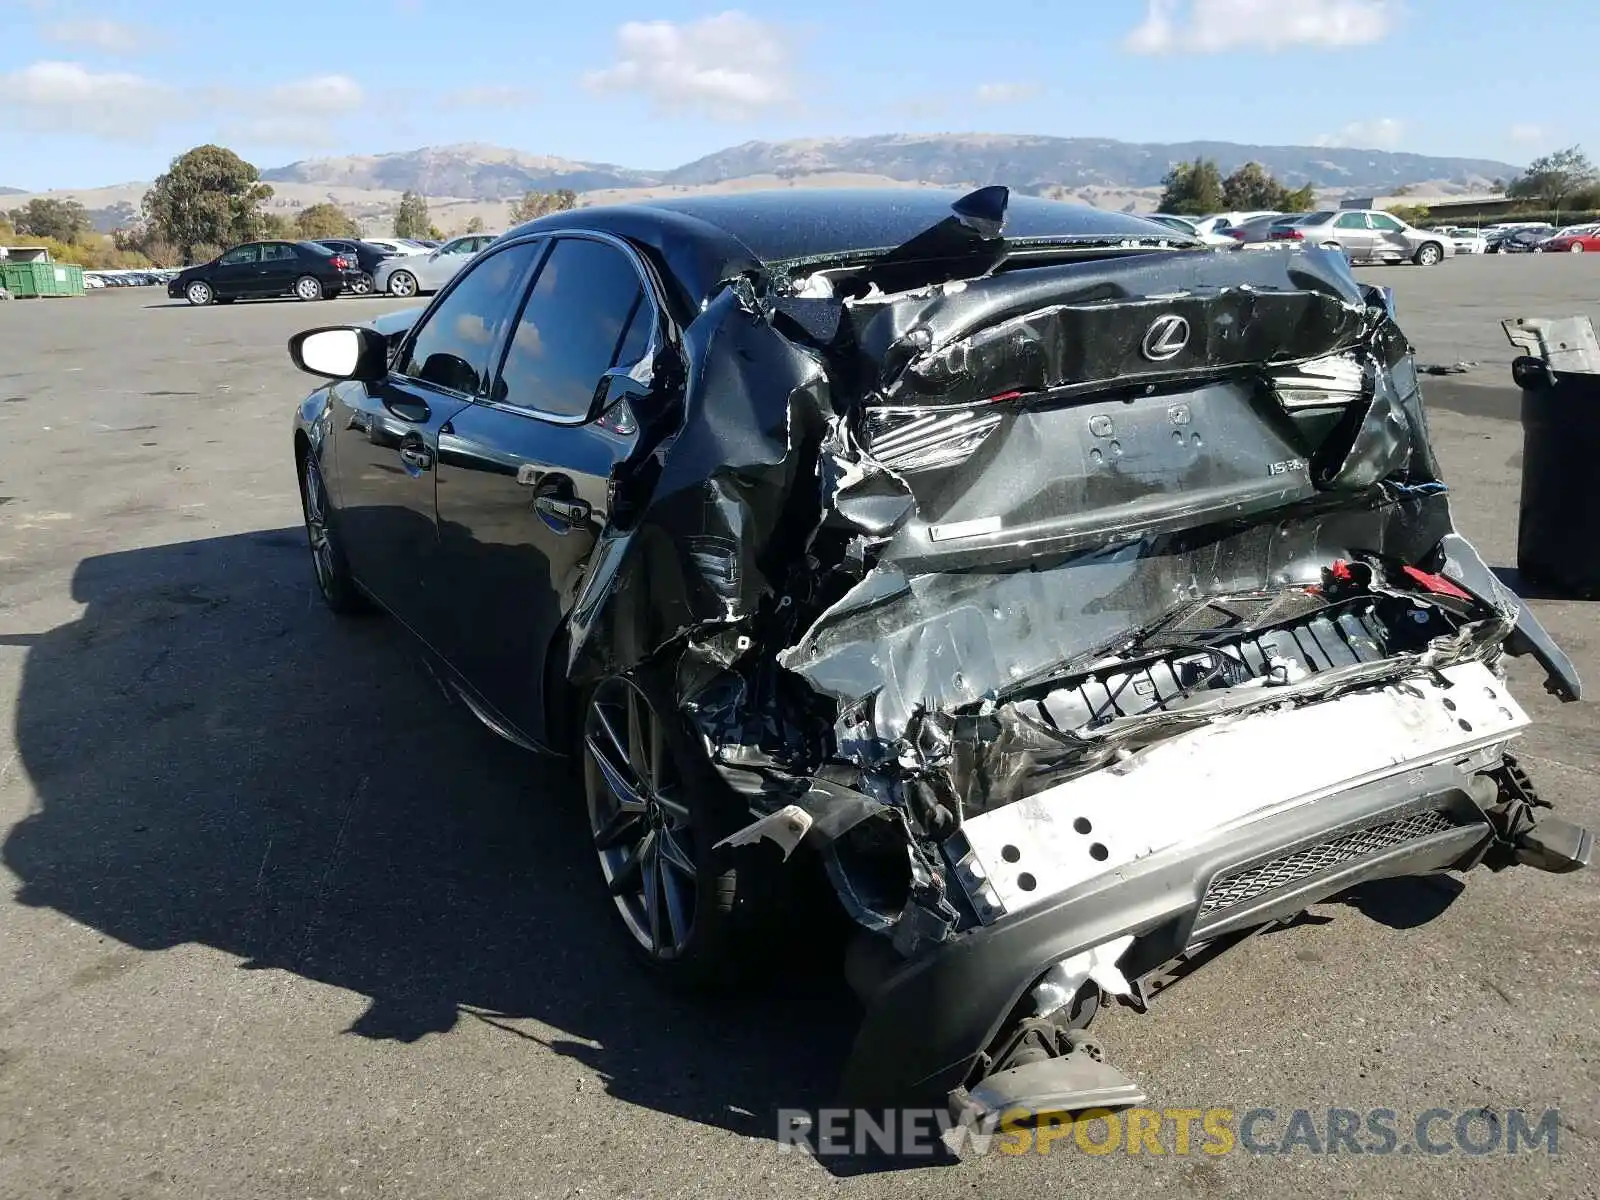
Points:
[(918, 439), (1321, 382)]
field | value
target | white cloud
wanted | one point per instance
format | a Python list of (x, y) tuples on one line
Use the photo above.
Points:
[(727, 66), (1004, 93), (66, 97), (70, 98), (1527, 135), (1213, 26), (96, 33), (321, 95), (489, 95), (1385, 133)]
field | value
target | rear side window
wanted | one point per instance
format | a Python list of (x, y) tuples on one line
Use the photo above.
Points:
[(315, 249), (452, 345), (279, 252), (1352, 220), (585, 306)]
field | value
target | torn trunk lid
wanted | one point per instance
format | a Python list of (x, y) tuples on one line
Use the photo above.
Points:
[(1052, 456)]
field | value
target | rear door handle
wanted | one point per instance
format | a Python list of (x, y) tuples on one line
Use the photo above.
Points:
[(418, 457), (568, 512)]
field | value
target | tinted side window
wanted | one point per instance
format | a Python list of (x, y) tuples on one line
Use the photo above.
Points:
[(278, 252), (452, 344), (569, 332), (241, 254)]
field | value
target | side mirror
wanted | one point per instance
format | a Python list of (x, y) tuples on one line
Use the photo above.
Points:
[(341, 352)]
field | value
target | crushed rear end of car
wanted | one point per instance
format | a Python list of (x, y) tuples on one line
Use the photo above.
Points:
[(1085, 607)]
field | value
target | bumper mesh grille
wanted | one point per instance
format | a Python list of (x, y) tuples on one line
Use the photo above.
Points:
[(1243, 886)]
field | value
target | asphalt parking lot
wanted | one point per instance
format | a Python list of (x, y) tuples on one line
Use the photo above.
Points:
[(278, 920)]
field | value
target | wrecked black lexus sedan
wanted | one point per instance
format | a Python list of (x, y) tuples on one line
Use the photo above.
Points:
[(1079, 598)]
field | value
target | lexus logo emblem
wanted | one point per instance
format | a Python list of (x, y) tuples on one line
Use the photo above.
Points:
[(1167, 336)]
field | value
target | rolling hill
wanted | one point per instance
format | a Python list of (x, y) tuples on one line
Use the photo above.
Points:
[(1030, 163)]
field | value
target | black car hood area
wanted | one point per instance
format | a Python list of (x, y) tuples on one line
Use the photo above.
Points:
[(889, 525)]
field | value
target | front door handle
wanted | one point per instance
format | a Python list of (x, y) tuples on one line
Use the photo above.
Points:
[(566, 512)]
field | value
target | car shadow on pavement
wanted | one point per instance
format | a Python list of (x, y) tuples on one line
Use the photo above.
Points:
[(220, 761)]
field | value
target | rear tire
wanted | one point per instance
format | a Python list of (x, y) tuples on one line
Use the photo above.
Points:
[(362, 286), (656, 809), (308, 287)]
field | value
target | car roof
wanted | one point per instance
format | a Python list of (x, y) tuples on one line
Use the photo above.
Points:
[(801, 223), (706, 239)]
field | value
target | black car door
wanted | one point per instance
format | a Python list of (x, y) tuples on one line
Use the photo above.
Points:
[(524, 473), (280, 267), (234, 274), (387, 439)]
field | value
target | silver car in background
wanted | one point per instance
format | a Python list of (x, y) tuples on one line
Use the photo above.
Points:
[(1369, 235), (416, 273)]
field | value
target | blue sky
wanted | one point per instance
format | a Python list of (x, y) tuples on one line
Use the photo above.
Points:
[(105, 91)]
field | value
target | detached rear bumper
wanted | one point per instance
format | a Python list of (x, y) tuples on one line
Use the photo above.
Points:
[(927, 1023), (930, 1019)]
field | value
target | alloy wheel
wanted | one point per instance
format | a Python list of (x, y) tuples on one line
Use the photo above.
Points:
[(402, 283), (308, 288), (639, 819), (199, 293), (317, 526), (362, 285)]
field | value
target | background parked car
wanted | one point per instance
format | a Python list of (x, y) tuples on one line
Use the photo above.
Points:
[(412, 274), (1465, 241), (1225, 222), (1518, 241), (305, 270), (1258, 230), (396, 245), (367, 255), (1191, 227), (1369, 235), (1575, 239)]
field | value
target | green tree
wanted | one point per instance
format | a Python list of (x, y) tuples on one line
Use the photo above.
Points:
[(1554, 178), (1301, 200), (1411, 214), (534, 205), (43, 217), (1250, 187), (208, 196), (325, 221), (475, 225), (276, 225), (1192, 189), (411, 218)]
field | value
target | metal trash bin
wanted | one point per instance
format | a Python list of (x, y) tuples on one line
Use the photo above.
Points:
[(1558, 528)]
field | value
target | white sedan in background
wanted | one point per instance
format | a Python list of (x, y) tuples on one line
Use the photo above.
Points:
[(396, 245), (416, 273), (1466, 241)]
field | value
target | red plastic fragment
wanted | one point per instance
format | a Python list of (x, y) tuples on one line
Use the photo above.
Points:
[(1437, 584)]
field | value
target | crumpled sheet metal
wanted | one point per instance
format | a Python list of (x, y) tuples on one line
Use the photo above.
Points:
[(944, 640), (1076, 326), (728, 496)]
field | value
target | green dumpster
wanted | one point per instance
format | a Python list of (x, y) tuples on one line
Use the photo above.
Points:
[(41, 278)]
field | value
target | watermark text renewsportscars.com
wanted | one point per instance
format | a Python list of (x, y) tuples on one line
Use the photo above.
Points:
[(1433, 1132)]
